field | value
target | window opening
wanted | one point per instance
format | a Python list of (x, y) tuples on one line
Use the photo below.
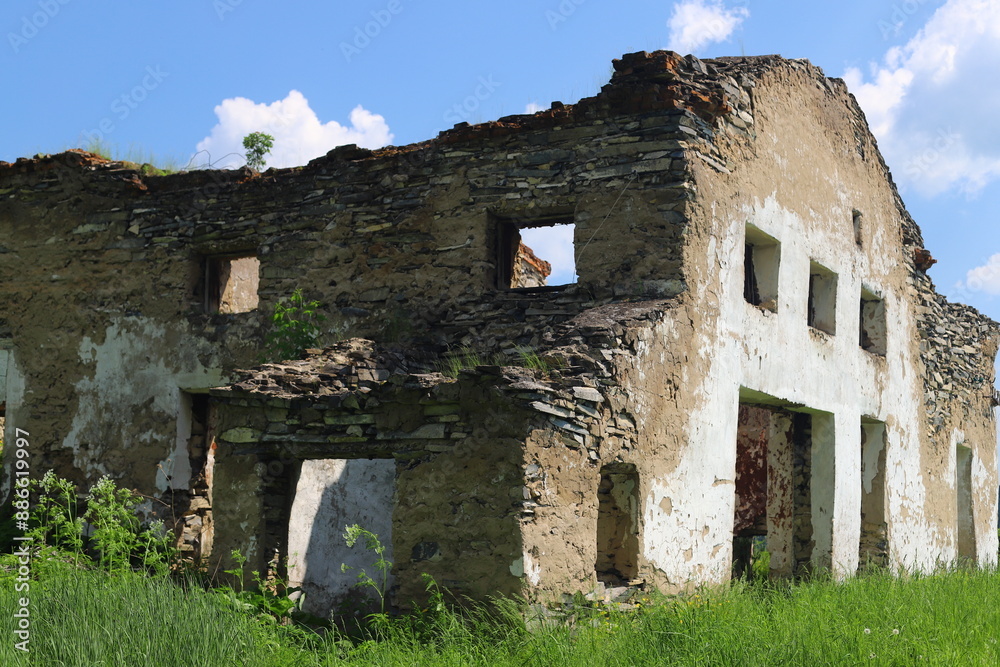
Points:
[(230, 283), (963, 488), (761, 257), (857, 218), (872, 323), (536, 254), (822, 307)]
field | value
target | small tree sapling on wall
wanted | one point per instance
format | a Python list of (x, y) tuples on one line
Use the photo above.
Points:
[(257, 145), (294, 327)]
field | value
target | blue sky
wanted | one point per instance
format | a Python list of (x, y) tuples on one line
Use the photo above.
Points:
[(174, 78)]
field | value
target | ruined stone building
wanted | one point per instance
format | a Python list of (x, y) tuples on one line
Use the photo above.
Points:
[(751, 347)]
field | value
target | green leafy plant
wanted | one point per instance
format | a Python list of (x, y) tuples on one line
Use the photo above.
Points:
[(268, 599), (761, 565), (118, 537), (257, 145), (108, 533), (294, 327), (354, 533), (56, 524)]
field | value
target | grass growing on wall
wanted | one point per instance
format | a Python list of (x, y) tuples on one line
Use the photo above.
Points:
[(94, 618), (144, 160)]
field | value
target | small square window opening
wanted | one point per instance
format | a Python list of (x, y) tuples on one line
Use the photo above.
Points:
[(536, 254), (761, 258), (822, 308), (872, 328), (230, 284)]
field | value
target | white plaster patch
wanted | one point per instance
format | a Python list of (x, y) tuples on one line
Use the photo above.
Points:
[(330, 495), (531, 568), (133, 367)]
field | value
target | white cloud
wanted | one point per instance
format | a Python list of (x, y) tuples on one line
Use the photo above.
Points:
[(299, 136), (533, 107), (698, 23), (985, 278), (932, 103)]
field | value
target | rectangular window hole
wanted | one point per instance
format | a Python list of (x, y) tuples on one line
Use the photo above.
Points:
[(872, 334), (229, 284), (617, 525), (761, 258), (822, 308), (857, 219), (535, 253)]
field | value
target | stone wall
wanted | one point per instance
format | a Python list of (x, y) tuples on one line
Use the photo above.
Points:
[(118, 318), (957, 349), (105, 263)]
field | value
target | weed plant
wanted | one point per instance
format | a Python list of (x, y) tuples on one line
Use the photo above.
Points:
[(107, 534), (148, 163), (468, 357), (294, 328)]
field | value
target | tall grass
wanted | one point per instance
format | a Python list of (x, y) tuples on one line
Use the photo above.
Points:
[(155, 165), (92, 618)]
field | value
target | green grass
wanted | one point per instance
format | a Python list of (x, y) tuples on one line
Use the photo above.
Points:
[(468, 357), (144, 160), (92, 618)]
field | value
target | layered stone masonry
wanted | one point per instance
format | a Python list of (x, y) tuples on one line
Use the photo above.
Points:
[(957, 347), (353, 209)]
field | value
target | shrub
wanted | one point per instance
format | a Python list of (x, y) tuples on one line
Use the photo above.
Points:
[(295, 327)]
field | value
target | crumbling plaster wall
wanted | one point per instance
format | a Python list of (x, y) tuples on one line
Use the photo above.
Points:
[(797, 173), (97, 250), (956, 347), (102, 344), (660, 174)]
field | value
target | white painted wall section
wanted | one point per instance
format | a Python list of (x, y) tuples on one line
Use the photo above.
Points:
[(330, 495)]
